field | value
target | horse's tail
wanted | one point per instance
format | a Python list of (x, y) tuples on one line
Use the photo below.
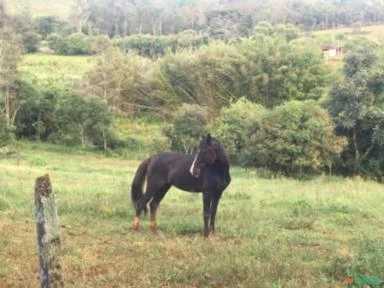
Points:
[(138, 184)]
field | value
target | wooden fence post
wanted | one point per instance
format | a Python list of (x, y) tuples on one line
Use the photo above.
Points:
[(47, 234)]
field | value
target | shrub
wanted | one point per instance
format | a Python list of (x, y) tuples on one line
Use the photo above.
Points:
[(294, 139), (230, 126), (188, 125), (4, 132), (74, 44), (31, 41)]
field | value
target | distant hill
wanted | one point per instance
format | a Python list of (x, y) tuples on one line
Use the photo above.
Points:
[(59, 8)]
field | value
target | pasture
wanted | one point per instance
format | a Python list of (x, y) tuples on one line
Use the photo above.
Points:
[(270, 232), (54, 71)]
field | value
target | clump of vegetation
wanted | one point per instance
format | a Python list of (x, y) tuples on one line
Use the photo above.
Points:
[(232, 123), (188, 126), (296, 138)]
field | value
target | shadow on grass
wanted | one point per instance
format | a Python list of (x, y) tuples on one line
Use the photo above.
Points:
[(182, 228)]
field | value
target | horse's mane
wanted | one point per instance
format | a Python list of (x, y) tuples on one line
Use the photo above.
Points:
[(221, 154), (222, 157)]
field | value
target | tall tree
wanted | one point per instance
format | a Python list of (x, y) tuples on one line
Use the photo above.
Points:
[(86, 118), (114, 79), (10, 55), (281, 68), (356, 105), (80, 14)]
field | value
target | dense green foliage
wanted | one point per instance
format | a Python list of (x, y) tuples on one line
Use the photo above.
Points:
[(232, 124), (4, 133), (147, 45), (221, 19), (85, 119), (281, 67), (357, 105), (188, 126), (296, 138)]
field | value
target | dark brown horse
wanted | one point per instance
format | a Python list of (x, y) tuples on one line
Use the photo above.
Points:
[(206, 172)]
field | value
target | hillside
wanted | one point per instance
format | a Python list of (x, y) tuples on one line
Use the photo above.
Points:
[(59, 8)]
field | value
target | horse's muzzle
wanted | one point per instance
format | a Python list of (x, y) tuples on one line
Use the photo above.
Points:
[(195, 172)]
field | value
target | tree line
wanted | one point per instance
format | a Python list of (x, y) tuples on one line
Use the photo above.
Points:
[(228, 20), (270, 97), (219, 18)]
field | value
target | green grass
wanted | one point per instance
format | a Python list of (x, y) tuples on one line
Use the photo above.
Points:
[(271, 233), (373, 33), (59, 72)]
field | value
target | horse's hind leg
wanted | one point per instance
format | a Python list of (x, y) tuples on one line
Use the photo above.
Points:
[(155, 204), (142, 206), (136, 220)]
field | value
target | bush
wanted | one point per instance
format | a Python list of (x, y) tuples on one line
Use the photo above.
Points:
[(294, 139), (188, 125), (31, 42), (230, 126), (74, 44), (157, 46), (4, 132)]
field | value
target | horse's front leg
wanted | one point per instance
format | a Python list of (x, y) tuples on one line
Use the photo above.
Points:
[(214, 205), (206, 211)]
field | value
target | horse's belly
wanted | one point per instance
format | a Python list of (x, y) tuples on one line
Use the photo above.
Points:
[(189, 187)]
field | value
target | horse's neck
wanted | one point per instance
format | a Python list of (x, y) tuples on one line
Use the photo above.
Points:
[(222, 164)]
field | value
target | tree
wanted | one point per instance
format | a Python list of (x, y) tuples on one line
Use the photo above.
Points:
[(84, 118), (357, 104), (227, 25), (80, 14), (187, 127), (212, 76), (114, 79), (281, 69), (4, 132), (357, 109), (294, 139), (31, 41), (47, 25), (10, 55), (231, 125), (35, 118)]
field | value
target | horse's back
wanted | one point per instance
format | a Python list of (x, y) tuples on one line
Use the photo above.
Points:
[(171, 168)]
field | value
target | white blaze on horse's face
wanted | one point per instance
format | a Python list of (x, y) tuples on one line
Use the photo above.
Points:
[(195, 172)]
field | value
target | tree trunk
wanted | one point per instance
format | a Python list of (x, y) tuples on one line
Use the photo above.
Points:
[(7, 106), (105, 141), (357, 152), (82, 136)]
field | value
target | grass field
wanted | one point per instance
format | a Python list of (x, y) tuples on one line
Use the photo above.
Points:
[(46, 70), (271, 232), (374, 33)]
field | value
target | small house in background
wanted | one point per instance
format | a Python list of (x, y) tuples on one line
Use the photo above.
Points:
[(331, 50)]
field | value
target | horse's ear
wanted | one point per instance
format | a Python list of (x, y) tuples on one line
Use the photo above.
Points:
[(208, 139)]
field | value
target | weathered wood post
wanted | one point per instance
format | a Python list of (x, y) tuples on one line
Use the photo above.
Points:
[(47, 234)]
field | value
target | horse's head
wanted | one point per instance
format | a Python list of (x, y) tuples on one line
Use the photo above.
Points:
[(206, 156)]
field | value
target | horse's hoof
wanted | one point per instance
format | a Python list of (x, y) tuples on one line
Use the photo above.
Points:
[(136, 224)]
